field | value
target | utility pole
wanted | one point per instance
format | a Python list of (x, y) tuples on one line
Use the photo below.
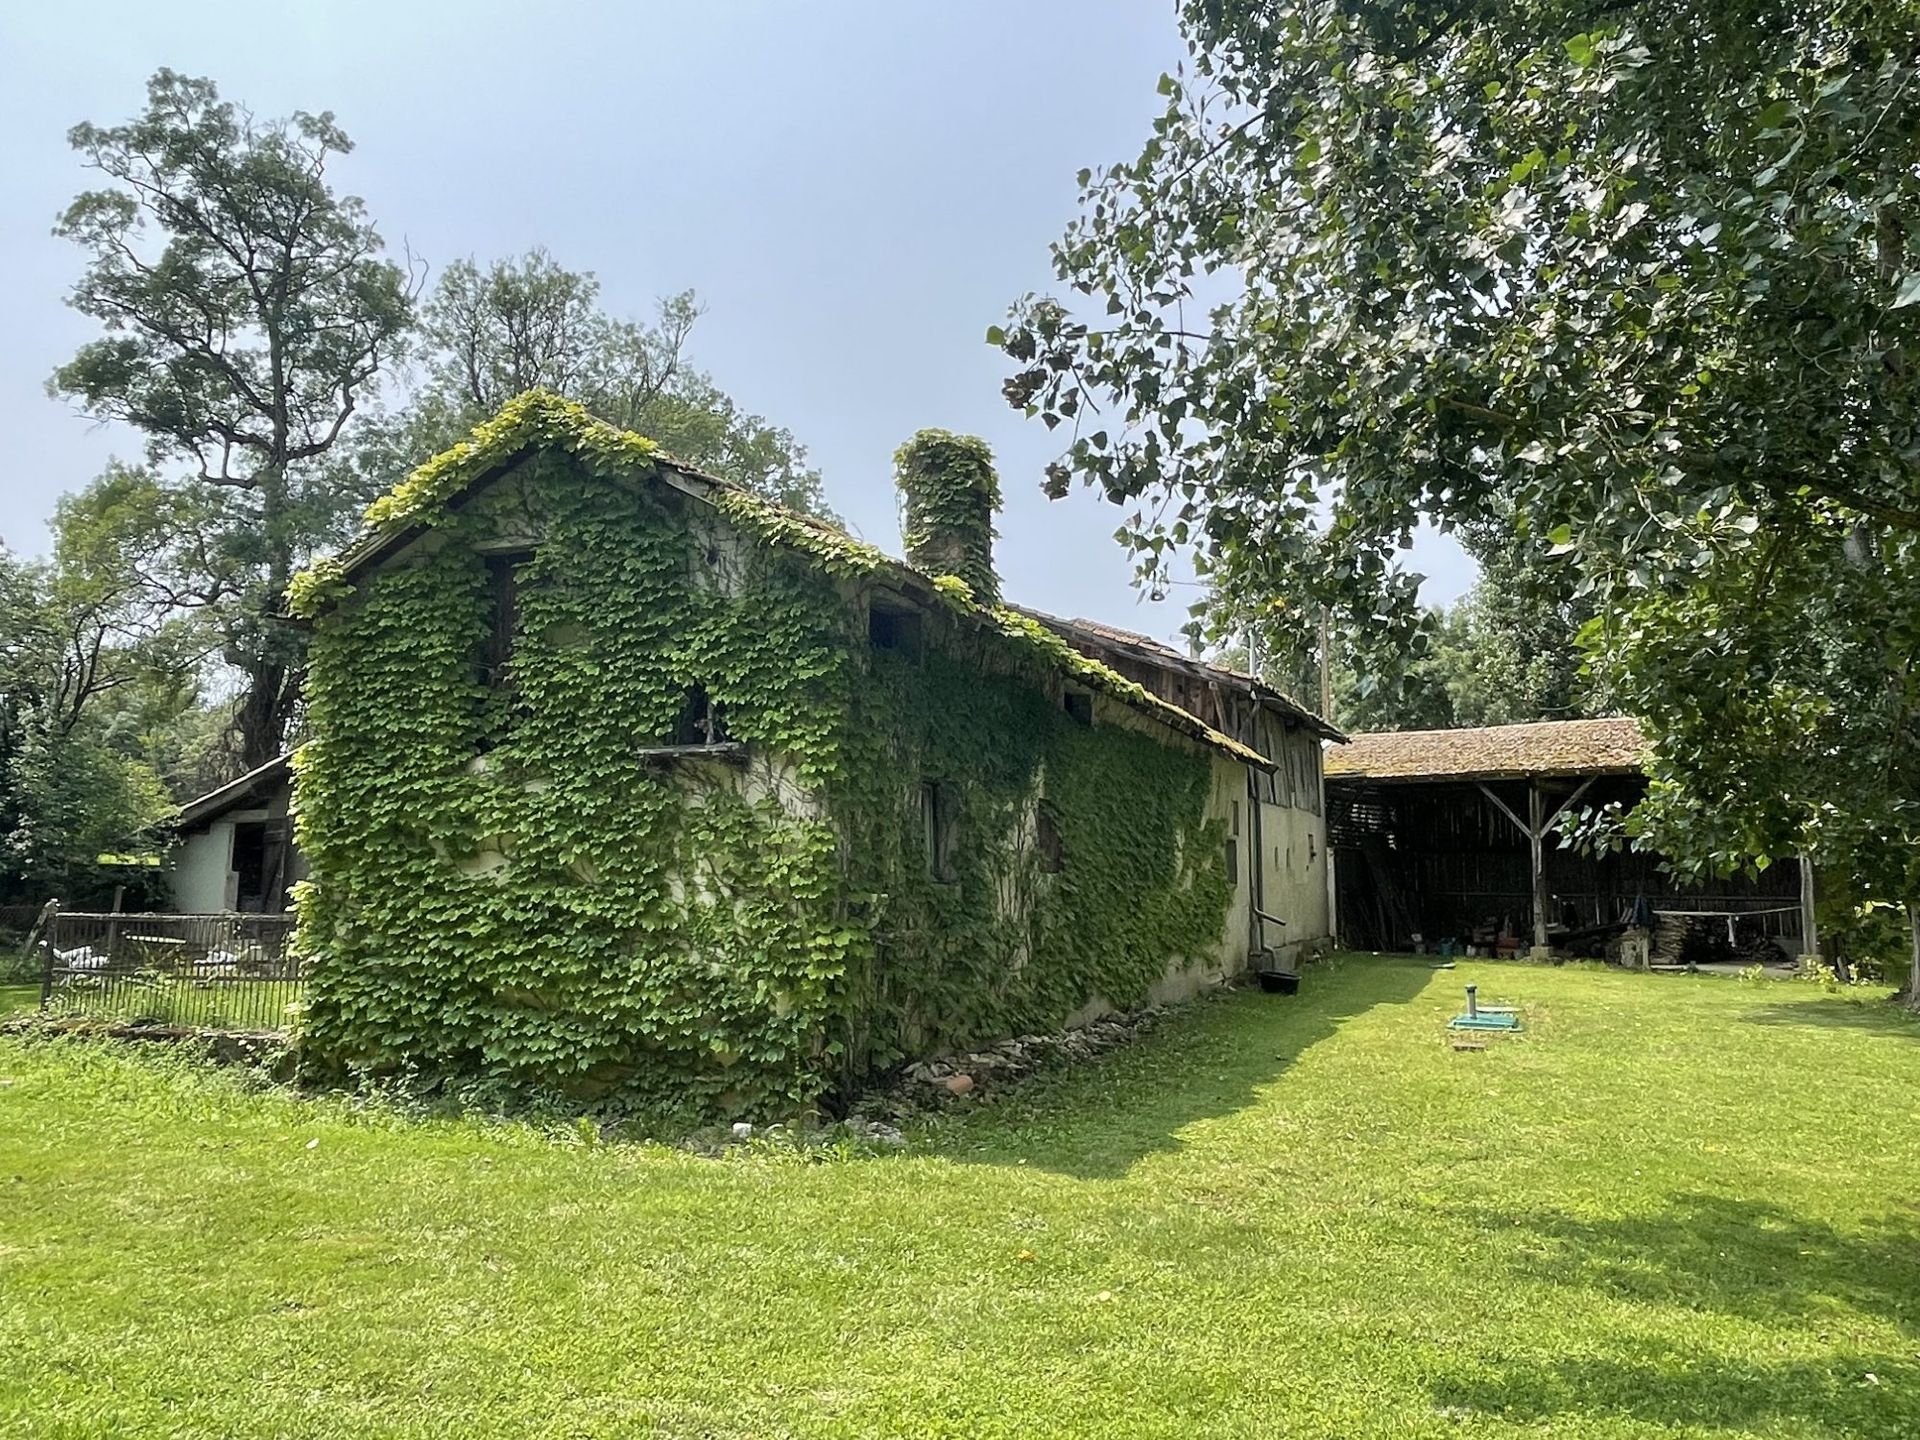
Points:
[(1326, 667)]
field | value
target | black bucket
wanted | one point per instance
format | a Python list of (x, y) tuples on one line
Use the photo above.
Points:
[(1280, 982)]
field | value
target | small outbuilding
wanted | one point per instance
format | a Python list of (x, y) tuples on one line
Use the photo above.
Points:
[(1454, 835), (233, 847)]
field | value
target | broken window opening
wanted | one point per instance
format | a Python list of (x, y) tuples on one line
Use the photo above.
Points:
[(702, 720), (891, 628), (1047, 842), (1079, 706), (938, 813), (503, 616)]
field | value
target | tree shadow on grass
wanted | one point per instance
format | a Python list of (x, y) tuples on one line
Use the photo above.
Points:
[(1879, 1018), (1718, 1257), (1096, 1120)]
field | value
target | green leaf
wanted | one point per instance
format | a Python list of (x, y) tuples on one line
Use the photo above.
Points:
[(996, 335), (1908, 291)]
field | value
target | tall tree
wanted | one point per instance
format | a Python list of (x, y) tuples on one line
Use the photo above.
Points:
[(489, 333), (1640, 275), (248, 311)]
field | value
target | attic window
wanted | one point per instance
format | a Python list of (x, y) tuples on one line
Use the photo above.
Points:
[(1079, 706), (938, 814), (701, 720), (892, 627), (503, 615), (1046, 842)]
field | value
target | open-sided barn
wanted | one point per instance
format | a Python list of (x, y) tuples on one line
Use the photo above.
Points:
[(1453, 834)]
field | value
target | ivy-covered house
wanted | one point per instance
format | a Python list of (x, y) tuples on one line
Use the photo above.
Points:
[(621, 777)]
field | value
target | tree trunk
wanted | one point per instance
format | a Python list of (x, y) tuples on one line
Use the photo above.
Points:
[(1911, 995), (273, 665), (273, 690)]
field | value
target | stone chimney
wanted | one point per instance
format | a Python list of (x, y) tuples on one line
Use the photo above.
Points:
[(948, 494)]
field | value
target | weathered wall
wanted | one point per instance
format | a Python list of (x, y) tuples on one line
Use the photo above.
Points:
[(200, 871), (1139, 906), (1293, 832)]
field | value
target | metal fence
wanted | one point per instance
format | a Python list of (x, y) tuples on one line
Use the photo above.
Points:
[(201, 972)]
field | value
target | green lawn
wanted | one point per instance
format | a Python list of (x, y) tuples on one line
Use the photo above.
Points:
[(1673, 1207)]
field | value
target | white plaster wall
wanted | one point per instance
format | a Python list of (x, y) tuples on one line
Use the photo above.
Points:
[(200, 874)]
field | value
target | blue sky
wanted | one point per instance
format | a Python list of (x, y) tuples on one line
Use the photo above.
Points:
[(856, 191)]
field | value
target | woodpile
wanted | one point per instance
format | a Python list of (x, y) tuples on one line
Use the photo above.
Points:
[(1690, 940)]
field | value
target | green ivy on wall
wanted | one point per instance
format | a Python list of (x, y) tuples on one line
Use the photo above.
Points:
[(504, 884)]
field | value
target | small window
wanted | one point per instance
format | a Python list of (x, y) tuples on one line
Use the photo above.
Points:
[(937, 816), (1079, 706), (1235, 831), (893, 629), (503, 615), (1233, 860), (1046, 835), (701, 720)]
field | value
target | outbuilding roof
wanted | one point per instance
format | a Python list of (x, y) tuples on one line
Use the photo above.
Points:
[(541, 419), (249, 789), (1493, 752)]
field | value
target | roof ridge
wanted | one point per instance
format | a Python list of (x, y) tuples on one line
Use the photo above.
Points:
[(541, 417)]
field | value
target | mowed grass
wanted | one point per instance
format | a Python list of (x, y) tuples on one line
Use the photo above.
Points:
[(1672, 1207)]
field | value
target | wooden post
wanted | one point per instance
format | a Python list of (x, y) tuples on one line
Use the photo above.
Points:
[(1333, 899), (42, 933), (1535, 829), (1537, 814), (113, 924), (1809, 936)]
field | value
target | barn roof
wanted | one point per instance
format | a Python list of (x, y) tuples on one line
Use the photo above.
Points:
[(540, 419), (1493, 752)]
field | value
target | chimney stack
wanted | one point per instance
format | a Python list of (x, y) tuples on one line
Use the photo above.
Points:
[(949, 493)]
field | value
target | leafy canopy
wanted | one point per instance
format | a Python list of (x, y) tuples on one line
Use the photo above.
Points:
[(247, 312), (491, 333), (1379, 262)]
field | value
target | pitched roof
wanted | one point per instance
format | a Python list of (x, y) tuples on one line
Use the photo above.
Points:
[(1495, 752), (1148, 650), (248, 789), (540, 419)]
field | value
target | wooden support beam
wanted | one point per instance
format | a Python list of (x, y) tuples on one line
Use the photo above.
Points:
[(1503, 808), (1534, 827), (1571, 800), (1536, 812)]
